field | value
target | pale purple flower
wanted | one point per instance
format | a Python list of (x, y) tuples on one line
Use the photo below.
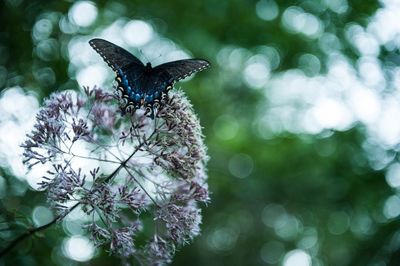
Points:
[(134, 197), (158, 251), (182, 222), (99, 235), (122, 242), (121, 167)]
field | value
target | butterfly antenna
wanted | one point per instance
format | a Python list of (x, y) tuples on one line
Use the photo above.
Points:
[(155, 58)]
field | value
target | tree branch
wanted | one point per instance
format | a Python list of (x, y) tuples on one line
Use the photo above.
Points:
[(33, 231)]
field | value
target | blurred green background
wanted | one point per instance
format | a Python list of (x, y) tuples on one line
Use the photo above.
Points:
[(300, 113)]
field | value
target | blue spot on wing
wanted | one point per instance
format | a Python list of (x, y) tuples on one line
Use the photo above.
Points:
[(149, 98), (136, 97)]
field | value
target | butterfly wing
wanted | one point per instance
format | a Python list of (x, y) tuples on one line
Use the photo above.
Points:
[(161, 78), (177, 70), (116, 57), (154, 84), (139, 84), (128, 68)]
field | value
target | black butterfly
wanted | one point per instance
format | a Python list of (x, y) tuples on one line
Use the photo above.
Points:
[(140, 84)]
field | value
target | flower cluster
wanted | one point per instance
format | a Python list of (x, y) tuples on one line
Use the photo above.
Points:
[(121, 170)]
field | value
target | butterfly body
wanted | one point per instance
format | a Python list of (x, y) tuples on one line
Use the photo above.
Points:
[(139, 84)]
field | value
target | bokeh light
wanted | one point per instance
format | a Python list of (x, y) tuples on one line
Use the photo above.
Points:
[(241, 165), (78, 248), (42, 215), (83, 13), (137, 33), (297, 257), (15, 122), (267, 9)]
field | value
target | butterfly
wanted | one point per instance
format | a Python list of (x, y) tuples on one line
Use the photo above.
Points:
[(139, 84)]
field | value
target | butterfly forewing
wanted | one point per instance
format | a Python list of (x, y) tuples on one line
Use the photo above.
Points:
[(181, 69), (115, 56)]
